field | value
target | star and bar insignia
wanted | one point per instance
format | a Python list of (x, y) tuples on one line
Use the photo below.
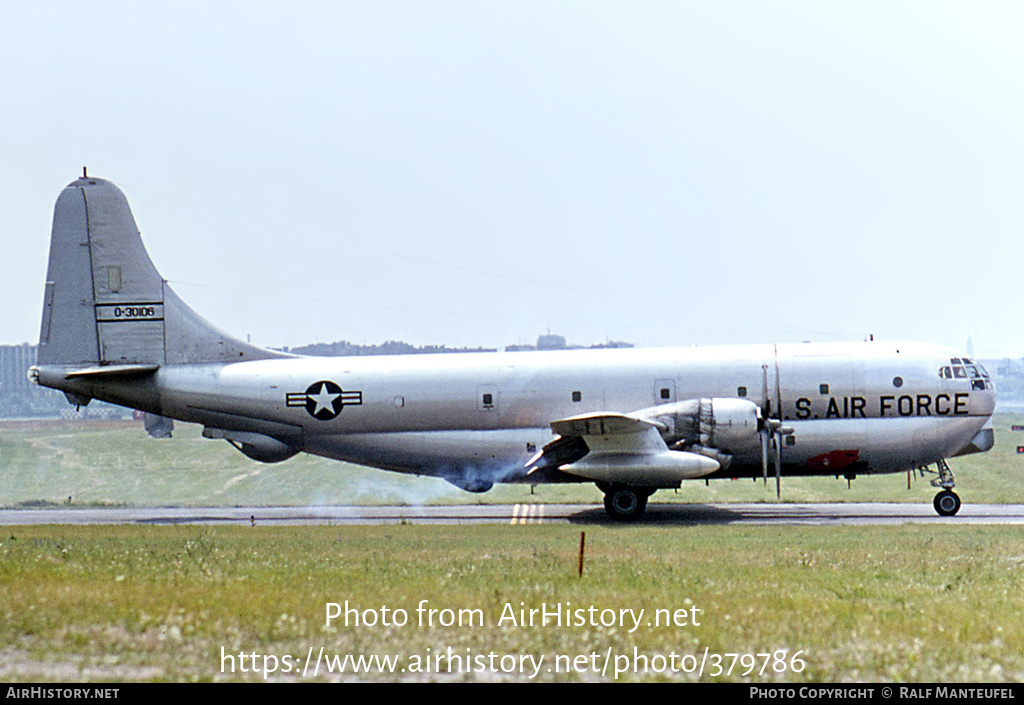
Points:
[(324, 400)]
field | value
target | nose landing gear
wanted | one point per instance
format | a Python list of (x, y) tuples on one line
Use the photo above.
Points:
[(946, 502)]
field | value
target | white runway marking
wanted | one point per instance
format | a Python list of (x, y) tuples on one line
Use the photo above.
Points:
[(527, 514)]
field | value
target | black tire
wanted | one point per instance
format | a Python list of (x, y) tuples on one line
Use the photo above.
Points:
[(625, 503), (946, 503)]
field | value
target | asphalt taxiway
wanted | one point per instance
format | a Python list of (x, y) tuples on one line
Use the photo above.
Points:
[(523, 514)]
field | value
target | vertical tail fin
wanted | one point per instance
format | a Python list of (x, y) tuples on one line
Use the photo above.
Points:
[(105, 303)]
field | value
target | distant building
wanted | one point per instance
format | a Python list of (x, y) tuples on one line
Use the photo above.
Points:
[(551, 341), (343, 348), (1009, 378), (20, 398), (14, 363)]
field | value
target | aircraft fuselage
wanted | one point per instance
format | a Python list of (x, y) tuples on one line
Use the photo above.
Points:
[(861, 407)]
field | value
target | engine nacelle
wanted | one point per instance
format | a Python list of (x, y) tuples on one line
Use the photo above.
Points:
[(713, 427)]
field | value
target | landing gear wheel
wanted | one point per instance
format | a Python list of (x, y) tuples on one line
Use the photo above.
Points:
[(947, 503), (625, 503)]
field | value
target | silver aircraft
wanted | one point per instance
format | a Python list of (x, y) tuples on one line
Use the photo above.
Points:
[(633, 421)]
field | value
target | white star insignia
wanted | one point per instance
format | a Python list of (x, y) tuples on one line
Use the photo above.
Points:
[(324, 400)]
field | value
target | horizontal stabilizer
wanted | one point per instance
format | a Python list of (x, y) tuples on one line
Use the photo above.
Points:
[(113, 371)]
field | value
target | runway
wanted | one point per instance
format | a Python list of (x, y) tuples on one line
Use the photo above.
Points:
[(524, 514)]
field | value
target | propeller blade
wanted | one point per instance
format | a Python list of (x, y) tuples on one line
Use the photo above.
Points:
[(764, 456), (778, 466)]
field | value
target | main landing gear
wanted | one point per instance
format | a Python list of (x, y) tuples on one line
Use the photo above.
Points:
[(946, 502), (625, 503)]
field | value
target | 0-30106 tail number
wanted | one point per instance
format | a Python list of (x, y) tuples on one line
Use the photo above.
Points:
[(130, 312)]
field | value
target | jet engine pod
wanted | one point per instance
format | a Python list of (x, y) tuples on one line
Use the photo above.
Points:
[(254, 445), (665, 469)]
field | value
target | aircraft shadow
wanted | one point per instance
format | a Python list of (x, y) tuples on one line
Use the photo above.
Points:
[(664, 515)]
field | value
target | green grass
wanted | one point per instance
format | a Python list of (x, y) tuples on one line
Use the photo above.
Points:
[(159, 603)]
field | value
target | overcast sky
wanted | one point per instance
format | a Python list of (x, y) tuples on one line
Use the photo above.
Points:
[(478, 173)]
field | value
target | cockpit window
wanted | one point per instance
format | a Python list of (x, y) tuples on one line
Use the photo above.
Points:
[(964, 368)]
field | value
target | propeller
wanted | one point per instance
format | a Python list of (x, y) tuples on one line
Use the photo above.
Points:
[(772, 429)]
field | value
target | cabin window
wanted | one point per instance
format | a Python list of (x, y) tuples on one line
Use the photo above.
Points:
[(487, 397), (897, 382), (823, 388), (790, 440), (741, 391), (666, 393), (577, 396)]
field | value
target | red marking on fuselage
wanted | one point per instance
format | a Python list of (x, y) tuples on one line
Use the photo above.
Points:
[(834, 460)]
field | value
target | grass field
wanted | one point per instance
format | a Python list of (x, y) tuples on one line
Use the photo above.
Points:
[(852, 604), (940, 603)]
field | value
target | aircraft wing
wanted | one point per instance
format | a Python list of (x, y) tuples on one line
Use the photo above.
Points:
[(618, 448), (615, 430)]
